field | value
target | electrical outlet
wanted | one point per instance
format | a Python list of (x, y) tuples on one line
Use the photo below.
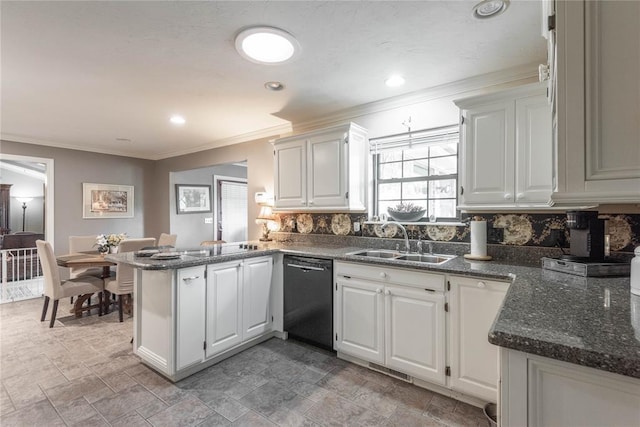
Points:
[(208, 220), (495, 235), (356, 227)]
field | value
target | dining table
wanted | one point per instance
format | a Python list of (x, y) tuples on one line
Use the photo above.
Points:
[(86, 260)]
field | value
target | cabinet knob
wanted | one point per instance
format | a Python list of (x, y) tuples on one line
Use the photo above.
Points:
[(388, 292), (383, 274), (482, 285), (507, 196), (519, 196), (378, 291), (310, 202)]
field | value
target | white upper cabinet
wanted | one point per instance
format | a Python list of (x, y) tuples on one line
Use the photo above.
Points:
[(598, 102), (506, 149), (322, 170)]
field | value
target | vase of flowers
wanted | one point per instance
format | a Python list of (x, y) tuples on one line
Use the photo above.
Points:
[(109, 242)]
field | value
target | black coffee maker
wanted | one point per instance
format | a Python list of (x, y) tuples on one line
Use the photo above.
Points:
[(587, 236)]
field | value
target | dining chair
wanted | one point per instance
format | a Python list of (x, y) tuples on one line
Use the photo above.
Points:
[(122, 283), (54, 288), (83, 244), (167, 239), (211, 242)]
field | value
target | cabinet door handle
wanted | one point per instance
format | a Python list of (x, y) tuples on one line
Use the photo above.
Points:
[(378, 291), (519, 196), (507, 196), (383, 274), (388, 292), (188, 279), (482, 285)]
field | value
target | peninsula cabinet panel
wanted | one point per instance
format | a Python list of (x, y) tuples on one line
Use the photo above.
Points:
[(257, 296), (190, 327), (598, 102), (224, 306)]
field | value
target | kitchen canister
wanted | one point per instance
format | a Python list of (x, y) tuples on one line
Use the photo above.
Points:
[(478, 241), (635, 273)]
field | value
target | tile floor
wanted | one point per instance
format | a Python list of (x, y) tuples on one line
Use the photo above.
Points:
[(83, 372)]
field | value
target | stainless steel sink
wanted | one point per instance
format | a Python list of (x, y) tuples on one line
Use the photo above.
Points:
[(395, 255), (429, 259), (374, 253)]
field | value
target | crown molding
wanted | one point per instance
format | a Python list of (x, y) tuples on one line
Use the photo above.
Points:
[(459, 87)]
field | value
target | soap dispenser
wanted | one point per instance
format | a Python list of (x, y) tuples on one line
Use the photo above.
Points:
[(635, 273)]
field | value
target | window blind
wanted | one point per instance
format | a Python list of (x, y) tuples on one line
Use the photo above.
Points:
[(415, 139)]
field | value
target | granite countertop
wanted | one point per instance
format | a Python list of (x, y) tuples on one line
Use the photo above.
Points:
[(586, 321)]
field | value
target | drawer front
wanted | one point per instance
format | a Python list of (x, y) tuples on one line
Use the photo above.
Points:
[(402, 276)]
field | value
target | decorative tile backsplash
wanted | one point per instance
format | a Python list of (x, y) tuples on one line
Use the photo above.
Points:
[(547, 230)]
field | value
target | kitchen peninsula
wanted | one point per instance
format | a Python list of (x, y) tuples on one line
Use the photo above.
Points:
[(571, 323)]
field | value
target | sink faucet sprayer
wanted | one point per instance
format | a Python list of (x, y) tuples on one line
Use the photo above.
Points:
[(404, 232)]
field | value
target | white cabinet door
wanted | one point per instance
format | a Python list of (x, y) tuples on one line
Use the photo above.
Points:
[(534, 150), (224, 306), (256, 307), (415, 333), (359, 319), (190, 316), (326, 180), (488, 154), (291, 174), (474, 361)]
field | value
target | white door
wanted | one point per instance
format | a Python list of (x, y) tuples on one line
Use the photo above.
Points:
[(359, 320), (326, 181), (488, 161), (190, 316), (533, 150), (291, 174), (415, 333), (224, 306), (232, 209), (474, 361), (256, 307)]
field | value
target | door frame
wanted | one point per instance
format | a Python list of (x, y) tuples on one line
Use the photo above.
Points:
[(216, 208), (49, 225)]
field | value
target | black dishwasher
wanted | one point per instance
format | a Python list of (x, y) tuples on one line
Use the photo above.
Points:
[(308, 300)]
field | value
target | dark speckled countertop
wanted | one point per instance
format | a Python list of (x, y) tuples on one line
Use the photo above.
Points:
[(586, 321)]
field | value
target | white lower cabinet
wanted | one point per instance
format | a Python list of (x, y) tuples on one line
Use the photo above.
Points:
[(224, 307), (474, 305), (190, 333), (185, 319), (537, 391), (377, 310), (404, 320), (256, 299)]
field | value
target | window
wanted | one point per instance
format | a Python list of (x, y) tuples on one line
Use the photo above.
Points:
[(419, 168)]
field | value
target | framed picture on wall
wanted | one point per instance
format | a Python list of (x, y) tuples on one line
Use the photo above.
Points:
[(193, 198), (106, 201)]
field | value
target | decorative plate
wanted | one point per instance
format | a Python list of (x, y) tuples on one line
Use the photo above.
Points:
[(341, 224), (442, 233), (304, 223), (389, 231), (620, 233), (517, 228)]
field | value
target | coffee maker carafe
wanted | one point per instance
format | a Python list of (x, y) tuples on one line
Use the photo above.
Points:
[(587, 235)]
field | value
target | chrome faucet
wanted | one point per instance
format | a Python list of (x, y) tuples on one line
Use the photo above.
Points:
[(420, 246), (404, 232)]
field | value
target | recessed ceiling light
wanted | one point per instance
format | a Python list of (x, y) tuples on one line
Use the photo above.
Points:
[(177, 120), (266, 45), (489, 8), (275, 86), (394, 81)]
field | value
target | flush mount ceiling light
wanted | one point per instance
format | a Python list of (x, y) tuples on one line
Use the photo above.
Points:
[(394, 81), (489, 8), (266, 45), (177, 120), (275, 86)]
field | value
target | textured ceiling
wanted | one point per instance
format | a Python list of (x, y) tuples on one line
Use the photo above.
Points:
[(85, 74)]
